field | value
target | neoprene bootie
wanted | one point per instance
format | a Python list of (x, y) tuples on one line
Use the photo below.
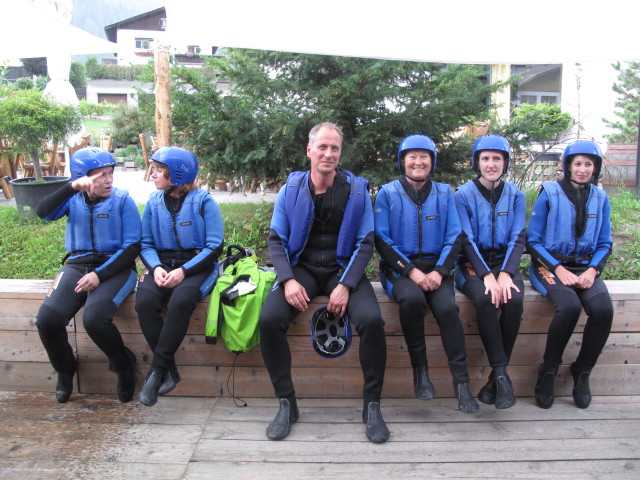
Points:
[(169, 381), (422, 386), (487, 393), (505, 397), (581, 392), (287, 415), (544, 390), (127, 379), (377, 431), (64, 387), (466, 402), (149, 392)]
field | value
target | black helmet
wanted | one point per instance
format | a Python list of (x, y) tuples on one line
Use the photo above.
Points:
[(330, 333)]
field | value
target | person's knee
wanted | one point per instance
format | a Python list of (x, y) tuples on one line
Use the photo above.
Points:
[(445, 312), (183, 300), (601, 308), (49, 320), (412, 303), (568, 306), (97, 314), (146, 301)]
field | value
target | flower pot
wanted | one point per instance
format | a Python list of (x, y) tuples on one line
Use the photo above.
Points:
[(28, 192)]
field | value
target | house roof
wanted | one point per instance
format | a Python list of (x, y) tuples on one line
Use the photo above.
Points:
[(529, 72), (135, 23)]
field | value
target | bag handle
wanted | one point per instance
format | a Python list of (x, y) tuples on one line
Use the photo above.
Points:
[(231, 247)]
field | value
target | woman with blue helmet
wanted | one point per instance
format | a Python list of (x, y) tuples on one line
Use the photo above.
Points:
[(418, 236), (182, 238), (492, 213), (569, 238), (102, 240)]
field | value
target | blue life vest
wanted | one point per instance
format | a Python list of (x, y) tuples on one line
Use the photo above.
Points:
[(299, 209), (420, 229), (491, 227), (559, 236), (96, 228), (184, 232)]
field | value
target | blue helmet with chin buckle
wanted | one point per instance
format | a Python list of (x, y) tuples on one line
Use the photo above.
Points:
[(87, 159), (330, 333), (421, 142), (583, 147), (182, 164), (491, 142)]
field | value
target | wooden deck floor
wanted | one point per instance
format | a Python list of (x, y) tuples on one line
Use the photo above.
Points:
[(95, 437)]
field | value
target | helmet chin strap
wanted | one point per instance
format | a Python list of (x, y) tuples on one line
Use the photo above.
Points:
[(417, 180)]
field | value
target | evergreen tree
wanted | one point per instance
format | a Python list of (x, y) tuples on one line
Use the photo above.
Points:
[(628, 103), (259, 127)]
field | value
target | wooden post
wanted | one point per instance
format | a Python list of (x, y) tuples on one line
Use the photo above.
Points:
[(502, 98), (162, 80)]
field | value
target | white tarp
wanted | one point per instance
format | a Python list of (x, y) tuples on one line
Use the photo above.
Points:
[(462, 31), (27, 31)]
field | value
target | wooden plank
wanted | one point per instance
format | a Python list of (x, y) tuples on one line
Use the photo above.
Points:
[(410, 452), (621, 348), (536, 319), (347, 382), (96, 437), (610, 469), (28, 376)]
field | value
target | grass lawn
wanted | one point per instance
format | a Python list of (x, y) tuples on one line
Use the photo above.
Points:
[(96, 127)]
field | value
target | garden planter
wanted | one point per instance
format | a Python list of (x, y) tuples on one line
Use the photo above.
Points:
[(28, 192)]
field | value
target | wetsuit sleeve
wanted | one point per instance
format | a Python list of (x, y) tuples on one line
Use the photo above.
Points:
[(517, 236), (354, 270), (536, 231), (453, 238), (604, 242), (56, 204), (125, 257), (384, 243), (468, 245), (214, 239), (148, 254), (277, 241)]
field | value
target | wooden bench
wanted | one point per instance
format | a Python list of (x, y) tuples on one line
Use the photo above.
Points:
[(205, 369)]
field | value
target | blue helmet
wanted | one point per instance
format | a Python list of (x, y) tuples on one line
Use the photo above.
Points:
[(330, 333), (418, 141), (182, 164), (491, 142), (583, 147), (87, 159)]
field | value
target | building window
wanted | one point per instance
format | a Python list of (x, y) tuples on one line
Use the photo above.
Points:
[(535, 98), (144, 43), (193, 49)]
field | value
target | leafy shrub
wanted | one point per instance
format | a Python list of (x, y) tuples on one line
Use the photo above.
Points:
[(96, 109), (128, 122), (78, 75), (24, 83), (41, 82)]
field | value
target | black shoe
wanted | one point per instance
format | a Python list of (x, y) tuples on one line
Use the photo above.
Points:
[(287, 415), (64, 387), (127, 379), (487, 393), (581, 392), (169, 381), (149, 393), (466, 402), (422, 386), (377, 431), (544, 390), (505, 397)]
